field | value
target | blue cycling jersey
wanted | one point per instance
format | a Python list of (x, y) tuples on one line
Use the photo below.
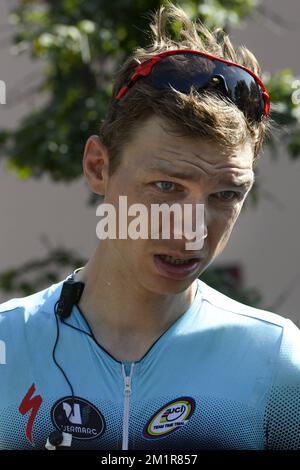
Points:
[(223, 376)]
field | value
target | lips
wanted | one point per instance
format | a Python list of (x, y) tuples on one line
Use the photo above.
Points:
[(176, 266), (175, 260)]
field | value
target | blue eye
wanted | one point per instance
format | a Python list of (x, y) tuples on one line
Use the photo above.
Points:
[(165, 185)]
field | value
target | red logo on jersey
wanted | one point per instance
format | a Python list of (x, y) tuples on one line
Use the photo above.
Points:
[(30, 403)]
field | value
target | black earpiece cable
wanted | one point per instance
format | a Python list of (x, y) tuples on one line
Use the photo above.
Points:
[(58, 365)]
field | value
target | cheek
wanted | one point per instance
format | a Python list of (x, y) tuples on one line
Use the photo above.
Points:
[(221, 226)]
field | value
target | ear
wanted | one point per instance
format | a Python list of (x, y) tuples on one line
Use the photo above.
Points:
[(96, 165)]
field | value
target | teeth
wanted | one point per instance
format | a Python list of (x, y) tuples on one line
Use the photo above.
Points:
[(172, 260)]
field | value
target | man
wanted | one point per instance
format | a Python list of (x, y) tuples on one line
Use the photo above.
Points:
[(133, 351)]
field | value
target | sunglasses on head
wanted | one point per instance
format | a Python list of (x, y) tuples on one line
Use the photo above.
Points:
[(187, 68)]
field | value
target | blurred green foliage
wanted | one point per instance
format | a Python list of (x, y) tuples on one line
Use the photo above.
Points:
[(81, 44), (37, 274)]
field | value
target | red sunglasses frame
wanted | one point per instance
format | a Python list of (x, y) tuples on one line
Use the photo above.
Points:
[(144, 69)]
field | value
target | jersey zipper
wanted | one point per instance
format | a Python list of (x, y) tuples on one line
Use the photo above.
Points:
[(127, 393)]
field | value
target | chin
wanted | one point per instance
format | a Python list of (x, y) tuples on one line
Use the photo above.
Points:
[(170, 286)]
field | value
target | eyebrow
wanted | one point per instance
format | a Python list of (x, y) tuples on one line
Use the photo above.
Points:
[(193, 176), (188, 175), (247, 184)]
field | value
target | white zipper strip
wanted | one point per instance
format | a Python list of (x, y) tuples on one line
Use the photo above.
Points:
[(127, 393)]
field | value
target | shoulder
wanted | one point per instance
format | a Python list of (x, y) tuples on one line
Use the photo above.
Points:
[(223, 304), (272, 343), (28, 311), (264, 326), (265, 331)]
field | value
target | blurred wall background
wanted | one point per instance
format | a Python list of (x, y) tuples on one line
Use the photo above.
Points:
[(265, 240)]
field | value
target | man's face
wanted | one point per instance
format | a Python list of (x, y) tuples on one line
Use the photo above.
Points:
[(157, 168)]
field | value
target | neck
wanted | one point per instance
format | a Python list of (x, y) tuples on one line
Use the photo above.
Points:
[(126, 318)]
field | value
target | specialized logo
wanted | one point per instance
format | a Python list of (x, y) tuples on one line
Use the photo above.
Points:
[(170, 418), (78, 417), (32, 404)]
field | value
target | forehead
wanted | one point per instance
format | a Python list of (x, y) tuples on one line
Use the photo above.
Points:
[(155, 147)]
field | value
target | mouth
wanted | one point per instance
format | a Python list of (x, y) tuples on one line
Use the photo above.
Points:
[(176, 267)]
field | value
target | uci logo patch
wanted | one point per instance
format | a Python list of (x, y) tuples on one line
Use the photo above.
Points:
[(78, 417), (169, 418)]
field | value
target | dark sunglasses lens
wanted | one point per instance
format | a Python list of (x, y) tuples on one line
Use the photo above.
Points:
[(184, 71), (243, 90)]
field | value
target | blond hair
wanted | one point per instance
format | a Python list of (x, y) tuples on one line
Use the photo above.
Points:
[(195, 114)]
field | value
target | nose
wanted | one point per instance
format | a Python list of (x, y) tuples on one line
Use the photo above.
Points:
[(193, 227)]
